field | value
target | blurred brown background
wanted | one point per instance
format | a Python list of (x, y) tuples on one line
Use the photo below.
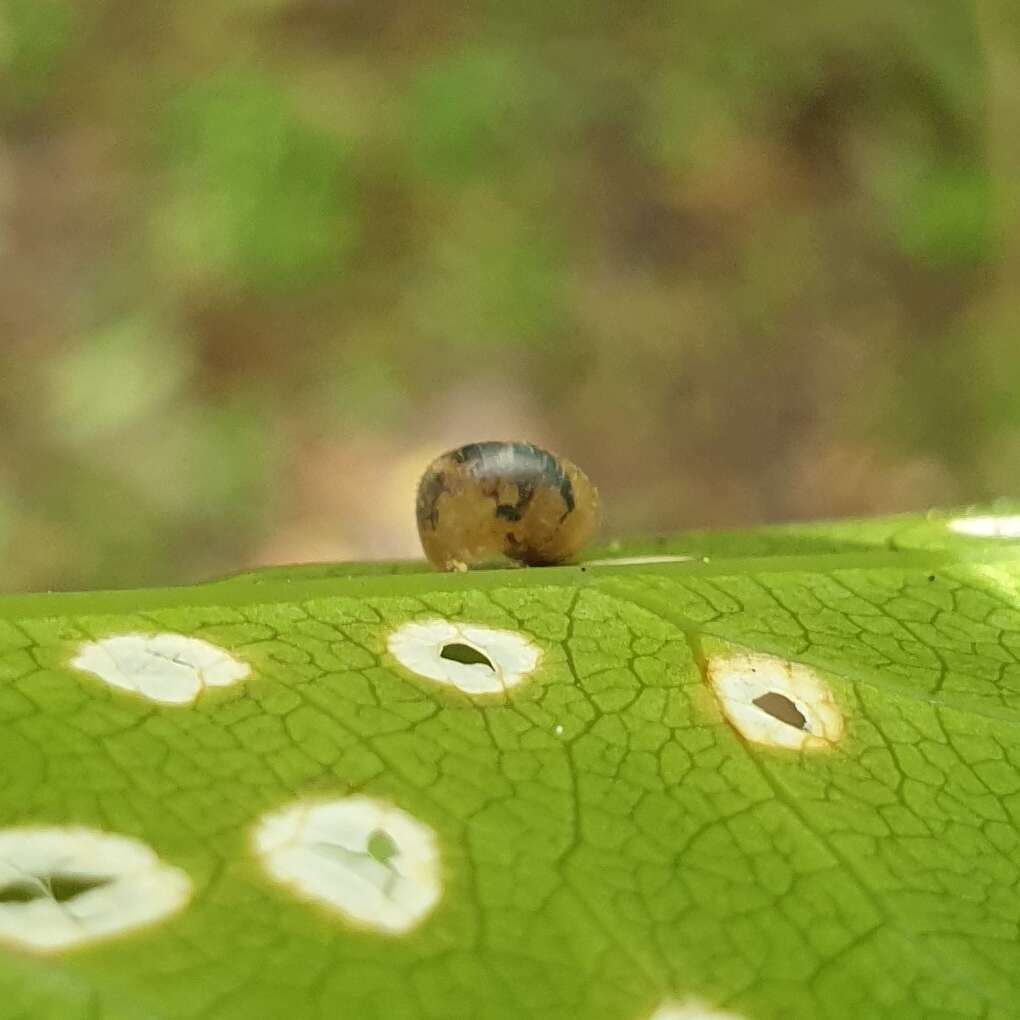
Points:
[(260, 260)]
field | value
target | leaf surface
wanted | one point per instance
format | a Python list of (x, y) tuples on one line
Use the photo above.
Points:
[(608, 842)]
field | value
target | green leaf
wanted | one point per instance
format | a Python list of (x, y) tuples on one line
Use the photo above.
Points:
[(298, 808)]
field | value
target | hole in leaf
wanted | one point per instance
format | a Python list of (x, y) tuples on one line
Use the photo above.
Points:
[(381, 846), (780, 707), (458, 652), (21, 892), (54, 887)]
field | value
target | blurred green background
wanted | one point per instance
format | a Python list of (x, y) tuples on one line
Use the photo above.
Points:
[(260, 260)]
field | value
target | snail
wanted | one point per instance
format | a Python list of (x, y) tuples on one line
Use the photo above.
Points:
[(504, 503)]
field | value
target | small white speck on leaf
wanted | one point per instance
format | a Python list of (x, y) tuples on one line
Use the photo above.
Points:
[(559, 729), (509, 658), (168, 668), (61, 888), (691, 1009), (774, 702), (987, 527), (364, 859)]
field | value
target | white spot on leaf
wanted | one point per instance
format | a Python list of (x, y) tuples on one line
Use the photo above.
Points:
[(987, 527), (65, 887), (168, 668), (691, 1009), (774, 702), (433, 649), (367, 860)]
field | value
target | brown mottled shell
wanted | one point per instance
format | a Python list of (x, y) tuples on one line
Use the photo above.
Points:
[(488, 503)]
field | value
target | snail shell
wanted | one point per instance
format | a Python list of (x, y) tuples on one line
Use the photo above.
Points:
[(485, 504)]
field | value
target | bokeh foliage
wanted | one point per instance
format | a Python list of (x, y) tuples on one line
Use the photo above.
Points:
[(262, 258)]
